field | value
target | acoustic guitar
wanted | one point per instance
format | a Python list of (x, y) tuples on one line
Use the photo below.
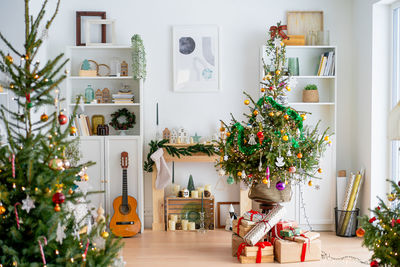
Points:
[(125, 221)]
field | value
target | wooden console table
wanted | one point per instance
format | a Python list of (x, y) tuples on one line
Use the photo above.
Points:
[(158, 195)]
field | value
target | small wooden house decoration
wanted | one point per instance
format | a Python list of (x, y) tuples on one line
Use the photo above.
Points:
[(173, 137), (183, 136), (99, 96), (106, 95), (166, 134), (124, 68)]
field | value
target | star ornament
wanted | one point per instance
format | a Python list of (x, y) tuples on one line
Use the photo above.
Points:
[(277, 43), (83, 186), (28, 204), (60, 235)]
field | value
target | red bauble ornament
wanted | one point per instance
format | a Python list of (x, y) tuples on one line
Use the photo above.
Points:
[(372, 220), (360, 232), (260, 136), (398, 221), (58, 198), (398, 183), (62, 119), (374, 263), (378, 208)]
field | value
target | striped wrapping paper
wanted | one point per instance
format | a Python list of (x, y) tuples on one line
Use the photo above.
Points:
[(349, 187), (264, 225), (354, 194), (349, 229)]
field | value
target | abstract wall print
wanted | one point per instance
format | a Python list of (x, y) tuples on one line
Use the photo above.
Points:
[(196, 58)]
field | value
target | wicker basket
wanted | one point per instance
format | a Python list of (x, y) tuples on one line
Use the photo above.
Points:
[(310, 96), (261, 192)]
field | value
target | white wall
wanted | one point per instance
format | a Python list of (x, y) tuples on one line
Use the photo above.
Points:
[(244, 27)]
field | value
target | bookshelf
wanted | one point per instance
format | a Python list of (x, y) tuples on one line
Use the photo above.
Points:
[(322, 215), (106, 150)]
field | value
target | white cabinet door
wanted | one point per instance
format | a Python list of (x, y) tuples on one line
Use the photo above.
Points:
[(113, 148), (92, 149)]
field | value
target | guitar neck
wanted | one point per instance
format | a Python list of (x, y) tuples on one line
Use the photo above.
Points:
[(124, 187)]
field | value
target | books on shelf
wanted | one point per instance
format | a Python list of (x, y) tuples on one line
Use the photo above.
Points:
[(327, 64), (82, 124), (124, 96)]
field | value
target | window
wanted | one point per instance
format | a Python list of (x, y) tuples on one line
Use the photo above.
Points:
[(396, 84)]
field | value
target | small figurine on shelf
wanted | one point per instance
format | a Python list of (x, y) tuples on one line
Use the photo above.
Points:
[(174, 137), (190, 186), (185, 193), (183, 136), (124, 68), (167, 134), (99, 96), (106, 95), (232, 216)]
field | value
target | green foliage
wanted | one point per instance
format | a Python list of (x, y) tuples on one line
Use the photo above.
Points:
[(138, 58), (311, 87), (382, 234), (72, 152), (209, 150), (190, 186), (34, 144), (273, 136)]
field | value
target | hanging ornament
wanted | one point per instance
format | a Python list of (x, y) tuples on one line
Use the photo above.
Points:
[(326, 138), (292, 169), (289, 153), (56, 164), (393, 222), (372, 220), (62, 119), (374, 263), (13, 165), (244, 175), (105, 234), (263, 90), (72, 130), (286, 117), (9, 59), (267, 174), (277, 72), (58, 198), (230, 180), (299, 155), (44, 117), (285, 138), (228, 134), (252, 139), (259, 118), (303, 116), (28, 204), (279, 161), (268, 77), (66, 164), (41, 248), (280, 185), (83, 186), (255, 112), (391, 197), (2, 209), (226, 157), (398, 183), (319, 170), (221, 172), (60, 234), (260, 136), (246, 102), (310, 183), (271, 114), (265, 181)]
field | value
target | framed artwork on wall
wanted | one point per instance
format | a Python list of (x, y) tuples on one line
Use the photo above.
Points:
[(195, 52), (80, 15)]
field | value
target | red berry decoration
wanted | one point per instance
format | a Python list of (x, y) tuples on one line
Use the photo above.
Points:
[(58, 198), (378, 208), (374, 264), (62, 119), (260, 136), (372, 220), (398, 183)]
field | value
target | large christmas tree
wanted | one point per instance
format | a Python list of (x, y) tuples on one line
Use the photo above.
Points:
[(44, 219), (382, 231), (273, 146)]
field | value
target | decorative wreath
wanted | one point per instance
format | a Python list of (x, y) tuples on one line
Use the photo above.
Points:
[(123, 113)]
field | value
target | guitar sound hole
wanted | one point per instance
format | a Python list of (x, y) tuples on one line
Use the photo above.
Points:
[(125, 209)]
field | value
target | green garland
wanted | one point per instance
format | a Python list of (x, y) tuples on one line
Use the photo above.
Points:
[(138, 58), (209, 150), (130, 119)]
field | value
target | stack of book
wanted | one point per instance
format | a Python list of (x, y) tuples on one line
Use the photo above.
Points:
[(82, 124), (327, 64), (123, 97)]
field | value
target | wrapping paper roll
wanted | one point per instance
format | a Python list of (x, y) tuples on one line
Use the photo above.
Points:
[(349, 187), (264, 224), (352, 218)]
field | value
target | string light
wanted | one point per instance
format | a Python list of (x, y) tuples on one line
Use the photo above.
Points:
[(57, 252), (72, 260)]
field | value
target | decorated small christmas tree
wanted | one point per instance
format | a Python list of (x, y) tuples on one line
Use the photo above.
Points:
[(273, 146), (190, 186), (382, 231), (44, 216)]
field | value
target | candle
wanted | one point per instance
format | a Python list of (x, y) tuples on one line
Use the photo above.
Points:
[(185, 225), (191, 226), (207, 187), (173, 217), (171, 225), (195, 194), (173, 172), (201, 190), (202, 193), (157, 114)]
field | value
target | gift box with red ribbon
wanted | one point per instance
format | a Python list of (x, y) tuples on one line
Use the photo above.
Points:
[(260, 253), (282, 225), (293, 251), (289, 232), (241, 226)]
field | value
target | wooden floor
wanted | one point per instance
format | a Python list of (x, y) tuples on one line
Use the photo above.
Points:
[(214, 249)]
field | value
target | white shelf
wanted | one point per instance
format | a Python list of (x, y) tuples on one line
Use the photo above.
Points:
[(311, 46), (3, 93), (312, 104), (101, 47), (313, 77), (108, 105), (100, 78)]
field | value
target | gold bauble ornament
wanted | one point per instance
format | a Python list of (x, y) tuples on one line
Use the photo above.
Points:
[(2, 210), (310, 183), (285, 138), (228, 134), (326, 138), (263, 90), (286, 116), (299, 155), (320, 170), (57, 208), (222, 129), (56, 164), (391, 197), (105, 234), (265, 181), (72, 130), (70, 191), (9, 59), (44, 117), (246, 102), (303, 116), (85, 177), (255, 112), (239, 174), (282, 43), (288, 88), (271, 114), (277, 72)]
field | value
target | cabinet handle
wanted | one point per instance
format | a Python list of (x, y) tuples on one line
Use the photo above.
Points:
[(104, 181)]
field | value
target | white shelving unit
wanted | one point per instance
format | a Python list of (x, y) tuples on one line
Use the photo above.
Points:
[(321, 214), (106, 175)]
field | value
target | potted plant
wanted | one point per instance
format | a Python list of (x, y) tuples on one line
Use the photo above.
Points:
[(310, 93)]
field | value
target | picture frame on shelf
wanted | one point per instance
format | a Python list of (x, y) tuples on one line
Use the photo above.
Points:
[(103, 23), (305, 23), (80, 16), (223, 211), (196, 53)]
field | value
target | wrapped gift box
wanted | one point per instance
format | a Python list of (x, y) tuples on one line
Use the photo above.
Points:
[(236, 241), (253, 259), (289, 251), (260, 253), (282, 225), (304, 237), (244, 227), (289, 232)]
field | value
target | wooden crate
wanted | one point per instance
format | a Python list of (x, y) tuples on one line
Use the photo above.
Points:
[(181, 206)]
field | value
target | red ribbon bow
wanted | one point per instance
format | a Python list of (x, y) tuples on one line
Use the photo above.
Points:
[(238, 224), (252, 212), (260, 246), (278, 30), (304, 248)]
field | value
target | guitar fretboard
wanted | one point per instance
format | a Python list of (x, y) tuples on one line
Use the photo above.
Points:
[(124, 187)]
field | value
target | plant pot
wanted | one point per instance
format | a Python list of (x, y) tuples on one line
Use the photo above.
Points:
[(261, 192), (310, 96)]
